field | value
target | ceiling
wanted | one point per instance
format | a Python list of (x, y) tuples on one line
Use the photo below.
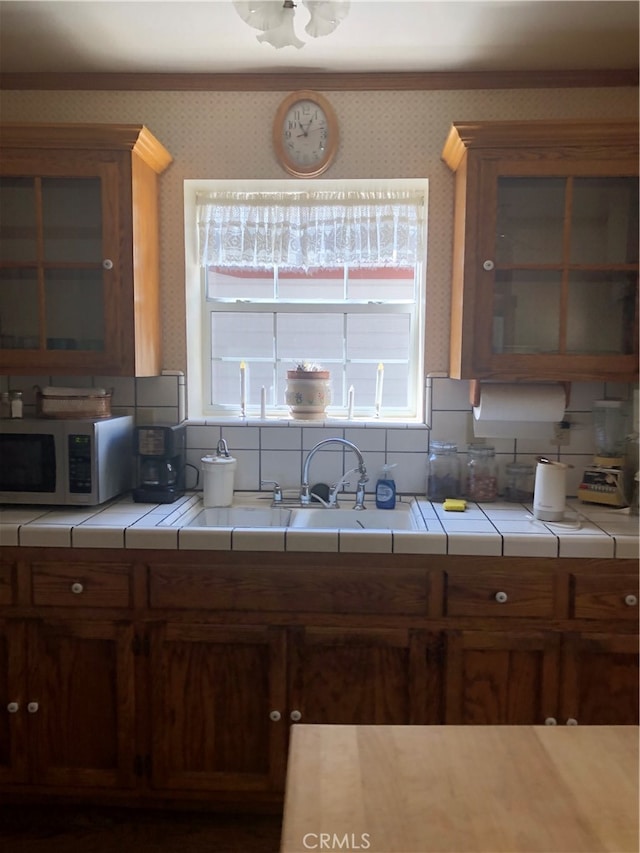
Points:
[(208, 36)]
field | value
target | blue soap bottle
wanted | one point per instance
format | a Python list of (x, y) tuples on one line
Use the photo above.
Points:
[(386, 489)]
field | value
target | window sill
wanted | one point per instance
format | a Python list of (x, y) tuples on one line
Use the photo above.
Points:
[(354, 423)]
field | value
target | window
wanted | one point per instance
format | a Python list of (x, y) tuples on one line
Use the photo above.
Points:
[(327, 273)]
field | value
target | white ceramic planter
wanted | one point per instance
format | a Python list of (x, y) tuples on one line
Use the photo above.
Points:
[(308, 394)]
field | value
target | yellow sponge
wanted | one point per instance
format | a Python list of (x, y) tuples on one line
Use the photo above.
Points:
[(454, 505)]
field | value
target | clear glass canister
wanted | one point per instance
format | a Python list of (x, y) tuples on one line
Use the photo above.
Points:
[(519, 487), (443, 477), (482, 473)]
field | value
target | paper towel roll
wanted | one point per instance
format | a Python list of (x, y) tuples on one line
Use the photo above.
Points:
[(518, 411)]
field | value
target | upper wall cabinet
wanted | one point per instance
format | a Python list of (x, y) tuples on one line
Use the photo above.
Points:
[(79, 289), (545, 264)]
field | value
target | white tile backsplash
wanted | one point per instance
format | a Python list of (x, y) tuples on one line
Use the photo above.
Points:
[(275, 449)]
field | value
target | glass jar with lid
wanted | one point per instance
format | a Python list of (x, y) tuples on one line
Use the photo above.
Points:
[(482, 473), (443, 476), (519, 487)]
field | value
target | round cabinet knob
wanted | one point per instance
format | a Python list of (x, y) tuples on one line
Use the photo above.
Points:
[(77, 588), (32, 707), (107, 264), (501, 597), (572, 721), (296, 716), (630, 600), (13, 707), (551, 721), (488, 266), (274, 716)]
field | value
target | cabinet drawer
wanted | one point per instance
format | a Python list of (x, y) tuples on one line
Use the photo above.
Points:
[(81, 584), (605, 597), (314, 590), (499, 593)]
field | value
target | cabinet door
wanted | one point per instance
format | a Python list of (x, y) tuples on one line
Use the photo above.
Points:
[(13, 701), (500, 678), (363, 676), (545, 262), (558, 272), (217, 703), (60, 264), (600, 679), (81, 712)]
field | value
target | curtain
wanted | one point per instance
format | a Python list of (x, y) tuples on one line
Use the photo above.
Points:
[(301, 230)]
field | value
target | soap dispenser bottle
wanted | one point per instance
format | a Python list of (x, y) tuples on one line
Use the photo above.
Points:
[(386, 489)]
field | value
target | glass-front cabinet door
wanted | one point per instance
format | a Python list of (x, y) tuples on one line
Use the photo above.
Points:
[(545, 268), (566, 251), (57, 260)]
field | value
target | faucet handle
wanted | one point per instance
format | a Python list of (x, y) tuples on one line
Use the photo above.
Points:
[(277, 491)]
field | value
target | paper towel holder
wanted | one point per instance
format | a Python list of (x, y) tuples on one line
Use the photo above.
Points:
[(475, 391)]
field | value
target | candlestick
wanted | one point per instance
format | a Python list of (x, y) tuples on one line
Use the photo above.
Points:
[(243, 389), (351, 402), (263, 403), (379, 384)]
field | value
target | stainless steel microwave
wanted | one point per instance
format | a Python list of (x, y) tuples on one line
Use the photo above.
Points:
[(78, 462)]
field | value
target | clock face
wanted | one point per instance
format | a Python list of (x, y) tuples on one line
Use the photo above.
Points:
[(305, 134)]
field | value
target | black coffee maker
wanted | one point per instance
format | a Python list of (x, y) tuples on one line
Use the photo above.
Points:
[(161, 462)]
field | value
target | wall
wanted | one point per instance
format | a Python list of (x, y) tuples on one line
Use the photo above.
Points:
[(227, 135)]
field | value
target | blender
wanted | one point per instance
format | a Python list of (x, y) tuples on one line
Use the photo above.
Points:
[(603, 482)]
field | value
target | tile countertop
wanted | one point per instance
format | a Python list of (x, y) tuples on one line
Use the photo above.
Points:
[(489, 529)]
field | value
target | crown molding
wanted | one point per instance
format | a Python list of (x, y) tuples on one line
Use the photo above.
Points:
[(328, 82)]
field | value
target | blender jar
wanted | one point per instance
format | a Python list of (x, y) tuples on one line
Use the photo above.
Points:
[(611, 426)]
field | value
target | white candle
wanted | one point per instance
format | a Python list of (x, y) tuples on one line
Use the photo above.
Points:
[(379, 384), (263, 403), (243, 388), (351, 402)]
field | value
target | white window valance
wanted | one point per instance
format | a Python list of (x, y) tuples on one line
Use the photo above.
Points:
[(307, 229)]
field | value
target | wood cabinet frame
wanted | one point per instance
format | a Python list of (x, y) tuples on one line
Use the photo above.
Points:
[(477, 152), (426, 635), (127, 160)]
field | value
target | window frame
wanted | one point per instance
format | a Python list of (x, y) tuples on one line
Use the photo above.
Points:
[(199, 308)]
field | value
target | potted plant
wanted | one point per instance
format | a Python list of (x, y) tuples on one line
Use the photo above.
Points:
[(308, 391)]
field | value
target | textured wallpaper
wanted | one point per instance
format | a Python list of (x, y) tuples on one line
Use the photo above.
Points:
[(227, 135)]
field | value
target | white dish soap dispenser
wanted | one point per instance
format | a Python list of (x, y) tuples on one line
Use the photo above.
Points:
[(386, 489)]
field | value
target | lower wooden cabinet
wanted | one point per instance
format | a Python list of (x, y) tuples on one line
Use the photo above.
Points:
[(501, 677), (600, 679), (552, 678), (217, 705), (363, 676), (153, 696), (70, 703)]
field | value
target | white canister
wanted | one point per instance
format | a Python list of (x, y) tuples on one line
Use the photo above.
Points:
[(550, 490), (218, 474)]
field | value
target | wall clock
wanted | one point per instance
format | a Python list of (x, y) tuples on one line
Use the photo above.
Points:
[(305, 134)]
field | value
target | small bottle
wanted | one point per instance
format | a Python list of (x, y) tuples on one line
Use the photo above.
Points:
[(519, 488), (15, 402), (5, 405), (443, 477), (386, 489), (482, 475)]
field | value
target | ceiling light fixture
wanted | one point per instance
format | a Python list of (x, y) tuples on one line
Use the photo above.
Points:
[(275, 19)]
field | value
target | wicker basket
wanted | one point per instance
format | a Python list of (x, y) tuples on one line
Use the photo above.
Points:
[(89, 405)]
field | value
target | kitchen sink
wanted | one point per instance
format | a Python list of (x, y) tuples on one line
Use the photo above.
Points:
[(405, 516), (235, 516), (400, 518)]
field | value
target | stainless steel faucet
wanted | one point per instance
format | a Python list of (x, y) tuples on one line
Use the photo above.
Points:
[(305, 495)]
